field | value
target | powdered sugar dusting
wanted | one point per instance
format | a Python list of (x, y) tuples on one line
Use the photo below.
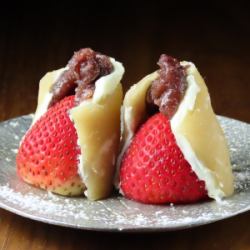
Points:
[(36, 203), (14, 124), (79, 212), (14, 150)]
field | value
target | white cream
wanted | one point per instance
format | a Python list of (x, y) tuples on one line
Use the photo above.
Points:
[(106, 84)]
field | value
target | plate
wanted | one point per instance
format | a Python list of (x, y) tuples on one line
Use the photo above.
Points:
[(118, 213)]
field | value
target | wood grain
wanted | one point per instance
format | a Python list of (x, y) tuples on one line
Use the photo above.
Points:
[(34, 42)]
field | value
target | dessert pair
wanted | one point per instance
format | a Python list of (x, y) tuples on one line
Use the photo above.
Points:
[(162, 143)]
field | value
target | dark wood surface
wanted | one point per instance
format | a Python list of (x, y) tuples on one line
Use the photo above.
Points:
[(33, 42)]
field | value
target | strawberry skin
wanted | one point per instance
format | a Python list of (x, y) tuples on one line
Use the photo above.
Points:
[(154, 170), (48, 155)]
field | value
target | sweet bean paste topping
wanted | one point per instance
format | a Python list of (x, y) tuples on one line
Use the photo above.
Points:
[(167, 91), (83, 70)]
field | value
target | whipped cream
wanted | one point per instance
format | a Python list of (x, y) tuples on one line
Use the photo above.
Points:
[(106, 85)]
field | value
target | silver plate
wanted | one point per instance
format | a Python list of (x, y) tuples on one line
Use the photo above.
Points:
[(118, 213)]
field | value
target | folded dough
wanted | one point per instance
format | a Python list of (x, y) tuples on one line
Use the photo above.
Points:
[(195, 127), (97, 122)]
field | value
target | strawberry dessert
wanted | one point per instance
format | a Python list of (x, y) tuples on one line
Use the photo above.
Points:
[(71, 146), (173, 149)]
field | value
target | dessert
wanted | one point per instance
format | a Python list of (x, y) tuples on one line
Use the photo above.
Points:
[(173, 149), (72, 144)]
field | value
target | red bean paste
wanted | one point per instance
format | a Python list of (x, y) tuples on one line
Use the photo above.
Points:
[(83, 70), (167, 91)]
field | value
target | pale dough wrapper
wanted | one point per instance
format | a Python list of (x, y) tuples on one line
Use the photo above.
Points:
[(44, 95), (195, 127), (97, 122), (98, 129)]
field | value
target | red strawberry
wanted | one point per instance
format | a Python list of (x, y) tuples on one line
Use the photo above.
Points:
[(48, 155), (154, 170)]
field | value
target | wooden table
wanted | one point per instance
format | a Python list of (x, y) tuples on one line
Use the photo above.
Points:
[(32, 43)]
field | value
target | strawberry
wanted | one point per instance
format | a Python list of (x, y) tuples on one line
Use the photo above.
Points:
[(154, 170), (48, 155)]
